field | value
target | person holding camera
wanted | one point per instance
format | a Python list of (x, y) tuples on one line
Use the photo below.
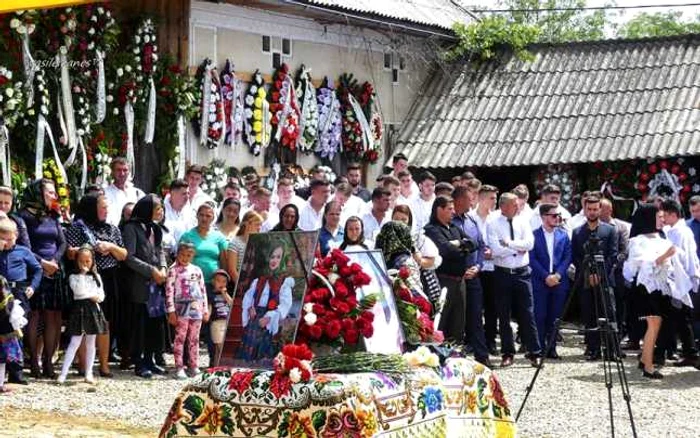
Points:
[(458, 273), (510, 239), (591, 239)]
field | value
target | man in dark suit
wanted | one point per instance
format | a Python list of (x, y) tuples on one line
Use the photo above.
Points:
[(587, 282), (549, 260)]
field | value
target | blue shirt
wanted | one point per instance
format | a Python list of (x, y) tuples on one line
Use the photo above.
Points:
[(695, 228), (467, 224), (325, 238), (19, 265)]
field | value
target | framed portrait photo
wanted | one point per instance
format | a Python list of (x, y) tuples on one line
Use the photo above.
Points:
[(388, 335), (268, 298)]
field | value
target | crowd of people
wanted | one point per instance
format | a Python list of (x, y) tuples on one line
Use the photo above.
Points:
[(131, 276)]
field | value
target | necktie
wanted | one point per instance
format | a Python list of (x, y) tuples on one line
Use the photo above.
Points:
[(512, 232)]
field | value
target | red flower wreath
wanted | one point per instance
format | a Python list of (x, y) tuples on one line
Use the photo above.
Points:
[(284, 109), (673, 175)]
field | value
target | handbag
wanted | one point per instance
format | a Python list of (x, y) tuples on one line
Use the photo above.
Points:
[(156, 301)]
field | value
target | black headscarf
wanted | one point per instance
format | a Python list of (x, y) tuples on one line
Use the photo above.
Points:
[(644, 220), (394, 240), (143, 214), (280, 226), (87, 210), (33, 198)]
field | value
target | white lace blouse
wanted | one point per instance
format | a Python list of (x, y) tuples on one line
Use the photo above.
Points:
[(669, 278)]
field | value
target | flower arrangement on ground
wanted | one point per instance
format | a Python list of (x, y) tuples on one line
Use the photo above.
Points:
[(332, 315), (414, 310), (292, 365), (257, 113), (215, 178), (284, 108)]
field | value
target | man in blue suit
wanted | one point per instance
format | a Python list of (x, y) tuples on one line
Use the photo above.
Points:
[(549, 260)]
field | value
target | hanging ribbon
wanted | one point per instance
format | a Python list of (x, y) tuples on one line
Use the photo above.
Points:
[(83, 178), (151, 115), (67, 102), (5, 155), (129, 118), (180, 147), (291, 96), (29, 69), (61, 119), (265, 132), (206, 98), (42, 129), (232, 115), (101, 92), (366, 131)]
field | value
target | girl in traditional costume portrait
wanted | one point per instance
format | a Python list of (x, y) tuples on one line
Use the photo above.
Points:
[(266, 304)]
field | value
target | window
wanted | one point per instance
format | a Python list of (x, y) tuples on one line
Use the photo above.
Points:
[(395, 76), (266, 44), (286, 47), (388, 63), (276, 60), (402, 63)]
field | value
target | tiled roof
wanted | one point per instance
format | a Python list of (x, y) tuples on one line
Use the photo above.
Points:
[(436, 13), (583, 102)]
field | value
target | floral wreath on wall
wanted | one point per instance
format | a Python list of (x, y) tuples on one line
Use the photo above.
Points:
[(367, 100), (669, 178), (284, 108), (330, 121), (257, 113), (564, 176), (210, 127), (308, 122), (214, 179), (232, 94)]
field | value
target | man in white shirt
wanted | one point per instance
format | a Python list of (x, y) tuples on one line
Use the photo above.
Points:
[(422, 205), (178, 218), (523, 194), (311, 215), (510, 239), (406, 193), (551, 194), (260, 203), (121, 191), (196, 195), (400, 163), (484, 212), (679, 320), (393, 185), (379, 215), (285, 196)]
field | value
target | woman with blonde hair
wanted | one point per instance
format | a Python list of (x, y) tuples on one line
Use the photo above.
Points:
[(250, 224)]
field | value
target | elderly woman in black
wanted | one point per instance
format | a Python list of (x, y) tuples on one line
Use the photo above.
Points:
[(146, 261), (90, 227), (41, 213)]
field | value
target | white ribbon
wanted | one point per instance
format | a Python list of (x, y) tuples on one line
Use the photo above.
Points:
[(67, 101), (43, 128), (101, 93), (129, 118), (29, 69), (180, 147), (5, 155), (265, 132), (287, 108), (151, 115), (232, 116), (83, 178), (206, 97), (360, 116)]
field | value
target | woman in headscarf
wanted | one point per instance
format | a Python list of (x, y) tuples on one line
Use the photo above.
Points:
[(354, 236), (229, 218), (288, 219), (146, 261), (41, 213), (657, 277), (265, 305), (90, 227), (394, 239)]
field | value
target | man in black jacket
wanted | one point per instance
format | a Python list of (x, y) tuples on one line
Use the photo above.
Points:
[(594, 237), (458, 273)]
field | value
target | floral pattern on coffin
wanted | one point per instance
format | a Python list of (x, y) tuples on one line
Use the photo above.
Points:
[(463, 398)]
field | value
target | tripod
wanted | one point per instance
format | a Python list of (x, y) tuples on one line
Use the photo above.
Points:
[(608, 332)]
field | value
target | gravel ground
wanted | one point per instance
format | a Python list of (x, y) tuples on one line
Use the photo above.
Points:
[(569, 398)]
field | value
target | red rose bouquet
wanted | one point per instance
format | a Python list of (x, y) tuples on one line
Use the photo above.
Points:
[(414, 310), (292, 365), (332, 314)]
